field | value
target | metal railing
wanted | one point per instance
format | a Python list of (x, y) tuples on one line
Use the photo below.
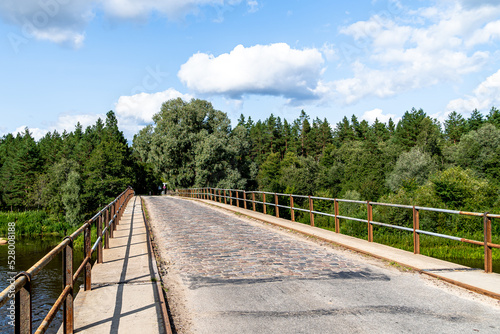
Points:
[(20, 289), (226, 195)]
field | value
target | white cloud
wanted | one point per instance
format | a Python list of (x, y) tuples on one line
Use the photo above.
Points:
[(274, 69), (65, 122), (486, 95), (377, 113), (59, 36), (68, 121), (143, 106), (134, 112), (36, 133), (392, 54)]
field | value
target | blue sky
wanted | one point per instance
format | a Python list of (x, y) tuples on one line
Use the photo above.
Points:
[(64, 61)]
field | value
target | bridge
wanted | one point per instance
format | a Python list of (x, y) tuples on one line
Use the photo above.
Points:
[(228, 268)]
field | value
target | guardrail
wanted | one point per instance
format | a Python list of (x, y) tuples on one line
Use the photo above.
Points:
[(226, 195), (110, 216)]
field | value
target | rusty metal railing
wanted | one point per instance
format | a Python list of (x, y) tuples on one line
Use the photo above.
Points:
[(226, 196), (110, 216)]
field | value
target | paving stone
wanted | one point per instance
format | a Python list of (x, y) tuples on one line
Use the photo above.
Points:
[(206, 243)]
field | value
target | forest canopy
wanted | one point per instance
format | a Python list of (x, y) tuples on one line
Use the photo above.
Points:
[(190, 144)]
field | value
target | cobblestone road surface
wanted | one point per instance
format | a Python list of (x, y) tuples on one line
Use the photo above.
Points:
[(237, 276)]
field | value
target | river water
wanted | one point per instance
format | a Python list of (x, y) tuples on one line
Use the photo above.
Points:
[(46, 286)]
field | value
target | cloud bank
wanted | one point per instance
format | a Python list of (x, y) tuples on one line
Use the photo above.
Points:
[(484, 96), (392, 53), (274, 69), (64, 21)]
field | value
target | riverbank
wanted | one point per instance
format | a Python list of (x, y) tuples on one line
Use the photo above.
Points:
[(34, 223)]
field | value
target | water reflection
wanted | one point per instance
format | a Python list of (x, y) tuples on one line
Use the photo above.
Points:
[(46, 286)]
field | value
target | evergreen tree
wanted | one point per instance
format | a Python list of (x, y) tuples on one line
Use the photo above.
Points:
[(71, 198), (494, 117), (475, 121), (454, 127)]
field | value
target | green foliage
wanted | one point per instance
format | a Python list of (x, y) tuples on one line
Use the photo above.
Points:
[(417, 129), (475, 121), (32, 223), (454, 127), (460, 189), (71, 198), (301, 173), (68, 176), (411, 170), (480, 151), (191, 144)]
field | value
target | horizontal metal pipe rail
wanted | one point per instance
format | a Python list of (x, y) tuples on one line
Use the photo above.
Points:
[(218, 194), (20, 289)]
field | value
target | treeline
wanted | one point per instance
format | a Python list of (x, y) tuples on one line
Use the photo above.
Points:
[(190, 144), (416, 161), (69, 175)]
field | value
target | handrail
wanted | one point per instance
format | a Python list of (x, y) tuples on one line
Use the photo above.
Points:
[(218, 194), (21, 287)]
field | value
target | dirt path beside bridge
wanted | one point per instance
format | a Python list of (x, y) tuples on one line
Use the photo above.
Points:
[(229, 274)]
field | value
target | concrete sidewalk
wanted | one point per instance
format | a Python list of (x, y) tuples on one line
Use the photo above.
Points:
[(473, 279), (124, 296)]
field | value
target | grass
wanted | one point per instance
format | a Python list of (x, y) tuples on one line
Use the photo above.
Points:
[(400, 267), (30, 223)]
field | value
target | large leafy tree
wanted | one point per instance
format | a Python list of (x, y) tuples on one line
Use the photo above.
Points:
[(480, 151), (191, 145)]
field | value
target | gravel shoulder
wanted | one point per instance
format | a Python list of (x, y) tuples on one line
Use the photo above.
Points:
[(226, 273)]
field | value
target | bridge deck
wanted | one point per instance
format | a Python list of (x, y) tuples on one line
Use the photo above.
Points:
[(230, 274), (124, 297), (470, 278)]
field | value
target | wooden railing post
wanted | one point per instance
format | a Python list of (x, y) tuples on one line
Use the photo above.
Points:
[(120, 211), (245, 199), (416, 235), (225, 198), (369, 210), (106, 234), (87, 251), (264, 201), (488, 260), (336, 213), (99, 235), (23, 308), (311, 209), (237, 199), (68, 314), (112, 219), (253, 201), (291, 208), (276, 205)]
